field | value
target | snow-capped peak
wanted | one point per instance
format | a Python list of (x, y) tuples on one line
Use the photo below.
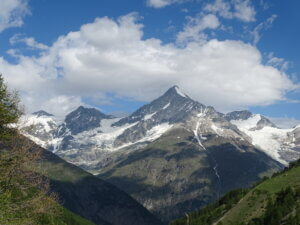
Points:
[(249, 123), (180, 92)]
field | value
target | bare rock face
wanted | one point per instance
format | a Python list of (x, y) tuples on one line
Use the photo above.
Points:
[(84, 119)]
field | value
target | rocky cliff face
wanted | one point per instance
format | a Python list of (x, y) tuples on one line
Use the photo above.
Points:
[(174, 154)]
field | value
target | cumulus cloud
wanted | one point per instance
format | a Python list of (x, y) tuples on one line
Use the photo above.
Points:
[(193, 30), (239, 9), (28, 41), (162, 3), (12, 13), (111, 56)]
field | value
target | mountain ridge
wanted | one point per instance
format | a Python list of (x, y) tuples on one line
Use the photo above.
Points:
[(140, 153)]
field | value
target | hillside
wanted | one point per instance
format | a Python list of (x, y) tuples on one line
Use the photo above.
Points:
[(274, 201), (172, 175), (25, 197), (89, 196)]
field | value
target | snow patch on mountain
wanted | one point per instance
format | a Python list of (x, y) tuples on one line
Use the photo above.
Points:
[(196, 131), (155, 132), (180, 92), (46, 122), (104, 136), (149, 116), (270, 139), (217, 129), (274, 141), (167, 105), (247, 124)]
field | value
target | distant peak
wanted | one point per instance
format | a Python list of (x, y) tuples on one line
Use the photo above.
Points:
[(41, 113), (81, 108), (239, 115), (176, 90)]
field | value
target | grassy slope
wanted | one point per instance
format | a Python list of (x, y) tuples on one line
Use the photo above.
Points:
[(254, 203), (246, 207), (61, 217), (69, 218)]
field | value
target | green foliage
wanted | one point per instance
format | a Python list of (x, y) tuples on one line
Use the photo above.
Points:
[(213, 212), (24, 194), (283, 210), (10, 109), (272, 201)]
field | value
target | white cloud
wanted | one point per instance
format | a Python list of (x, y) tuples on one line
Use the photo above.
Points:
[(285, 122), (162, 3), (193, 30), (277, 62), (221, 7), (256, 33), (109, 56), (29, 41), (239, 9), (244, 10), (12, 13), (62, 104)]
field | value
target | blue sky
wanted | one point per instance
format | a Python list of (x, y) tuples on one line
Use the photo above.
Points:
[(118, 55)]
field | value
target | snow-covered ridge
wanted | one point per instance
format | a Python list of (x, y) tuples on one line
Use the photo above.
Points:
[(47, 122), (103, 137), (247, 124), (86, 136), (49, 133), (276, 142), (180, 92)]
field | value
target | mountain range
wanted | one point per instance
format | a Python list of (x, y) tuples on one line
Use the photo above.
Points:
[(173, 155)]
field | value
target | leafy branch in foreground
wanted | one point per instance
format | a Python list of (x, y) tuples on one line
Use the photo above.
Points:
[(24, 194)]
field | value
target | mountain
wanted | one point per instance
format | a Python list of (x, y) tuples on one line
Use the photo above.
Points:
[(41, 127), (84, 119), (198, 159), (86, 195), (280, 144), (272, 201), (42, 113), (174, 154), (259, 120)]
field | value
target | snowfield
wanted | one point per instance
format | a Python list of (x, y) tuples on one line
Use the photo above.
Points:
[(273, 141)]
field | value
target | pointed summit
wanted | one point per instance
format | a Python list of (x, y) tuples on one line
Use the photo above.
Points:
[(175, 91), (171, 107), (83, 119), (41, 113)]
